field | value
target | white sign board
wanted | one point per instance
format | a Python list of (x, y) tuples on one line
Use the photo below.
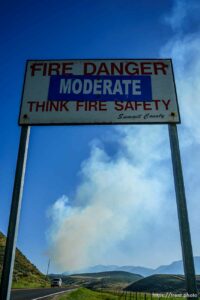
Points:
[(122, 91)]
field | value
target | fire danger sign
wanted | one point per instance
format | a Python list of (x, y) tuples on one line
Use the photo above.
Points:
[(99, 92)]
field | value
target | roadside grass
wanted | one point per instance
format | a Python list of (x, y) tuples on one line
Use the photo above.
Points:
[(86, 294), (30, 281)]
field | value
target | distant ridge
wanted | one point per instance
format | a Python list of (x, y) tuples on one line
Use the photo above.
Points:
[(175, 267), (102, 268)]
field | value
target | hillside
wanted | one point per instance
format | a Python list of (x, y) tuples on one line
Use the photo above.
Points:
[(25, 273), (160, 284), (106, 280)]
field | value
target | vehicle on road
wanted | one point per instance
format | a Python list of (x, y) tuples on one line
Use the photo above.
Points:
[(56, 282)]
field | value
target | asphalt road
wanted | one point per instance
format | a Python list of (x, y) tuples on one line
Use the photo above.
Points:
[(34, 294)]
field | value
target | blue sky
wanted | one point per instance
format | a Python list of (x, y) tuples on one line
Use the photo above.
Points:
[(73, 172)]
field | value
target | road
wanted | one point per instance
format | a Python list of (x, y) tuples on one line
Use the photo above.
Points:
[(36, 294)]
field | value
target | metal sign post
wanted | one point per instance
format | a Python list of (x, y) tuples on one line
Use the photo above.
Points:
[(9, 257), (186, 244)]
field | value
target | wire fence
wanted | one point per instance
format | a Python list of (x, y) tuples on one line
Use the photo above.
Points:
[(128, 295)]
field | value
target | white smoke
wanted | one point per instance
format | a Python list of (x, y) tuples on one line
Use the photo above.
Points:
[(117, 202), (184, 48), (186, 57), (124, 209)]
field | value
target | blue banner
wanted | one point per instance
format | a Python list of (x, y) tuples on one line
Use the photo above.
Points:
[(100, 88)]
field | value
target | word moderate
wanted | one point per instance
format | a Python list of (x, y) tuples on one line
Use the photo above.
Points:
[(100, 87)]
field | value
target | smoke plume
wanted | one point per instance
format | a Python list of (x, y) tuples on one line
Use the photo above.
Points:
[(124, 209)]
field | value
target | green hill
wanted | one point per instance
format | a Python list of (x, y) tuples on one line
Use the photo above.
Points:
[(105, 280), (160, 284), (25, 273)]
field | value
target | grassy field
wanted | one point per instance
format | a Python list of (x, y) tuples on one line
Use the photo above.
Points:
[(86, 294)]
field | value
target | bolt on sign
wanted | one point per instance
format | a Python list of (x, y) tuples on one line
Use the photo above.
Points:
[(101, 91)]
